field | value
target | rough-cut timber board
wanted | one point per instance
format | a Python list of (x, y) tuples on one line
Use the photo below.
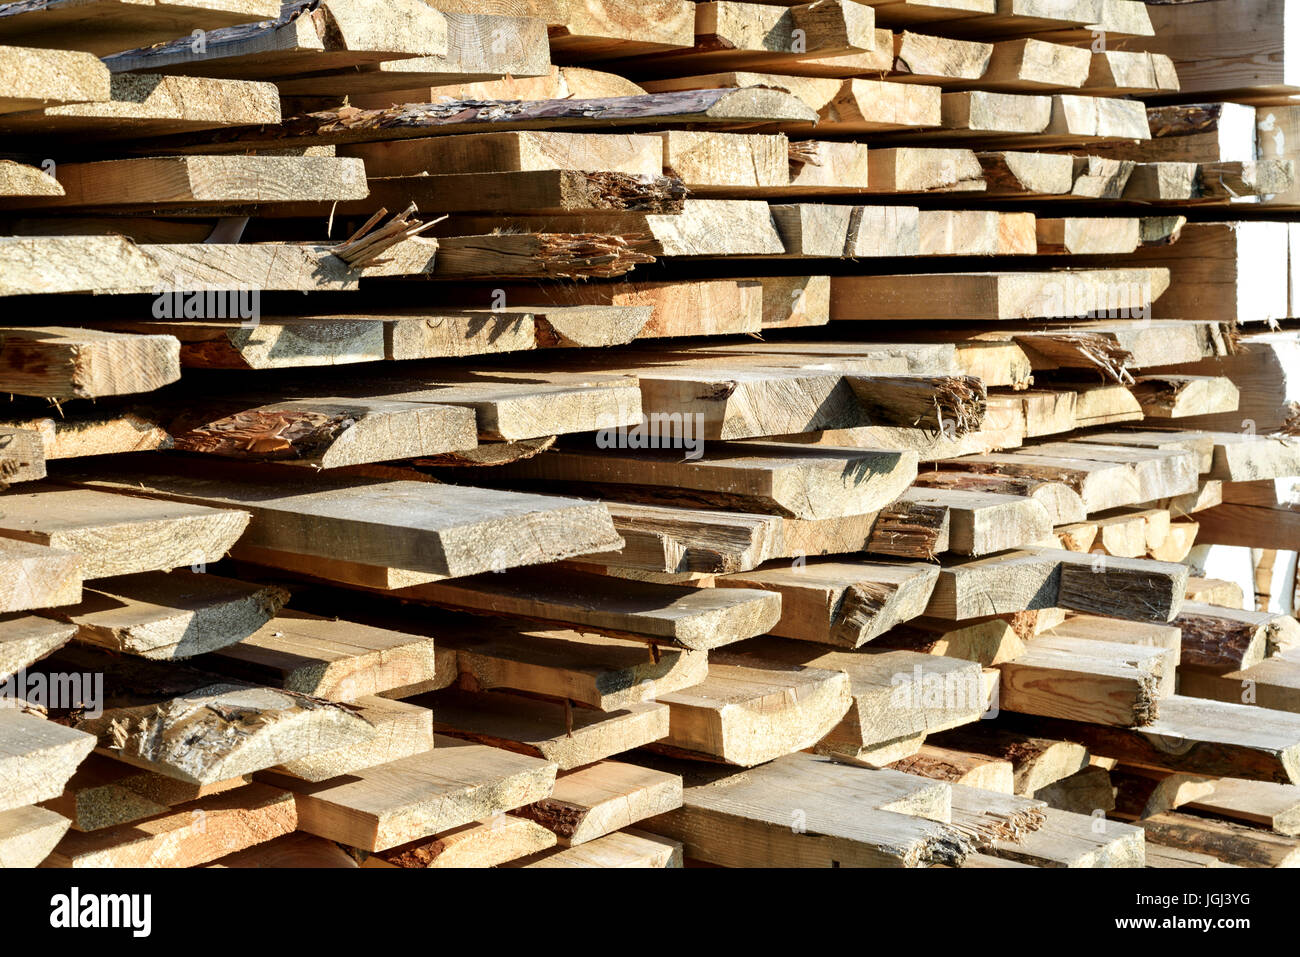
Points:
[(36, 758), (296, 850), (222, 731), (1197, 736), (503, 838), (842, 603), (41, 78), (1046, 578), (479, 48), (155, 184), (139, 107), (334, 34), (1071, 840), (186, 836), (1230, 842), (105, 26), (602, 673), (393, 804), (1275, 806), (696, 618), (401, 730), (327, 432), (84, 363), (747, 713), (896, 694), (36, 576), (1086, 680), (328, 658), (730, 108), (114, 264), (28, 834), (119, 534), (444, 531), (1036, 762), (807, 811), (791, 480), (630, 848), (569, 737), (605, 797), (27, 638), (1067, 294), (104, 793), (171, 615)]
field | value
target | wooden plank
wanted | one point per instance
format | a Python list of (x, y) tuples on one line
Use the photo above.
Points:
[(687, 108), (897, 695), (1230, 842), (393, 804), (186, 836), (569, 737), (609, 796), (327, 658), (104, 26), (607, 674), (36, 758), (221, 731), (865, 818), (37, 576), (146, 106), (1102, 682), (401, 731), (41, 78), (1261, 803), (25, 639), (323, 433), (631, 153), (745, 714), (842, 603), (104, 793), (442, 531), (1032, 578), (784, 479), (180, 183), (83, 363), (1070, 840), (504, 838), (29, 834), (332, 35), (119, 534), (1036, 763), (621, 849), (479, 48), (296, 850), (959, 767), (1119, 293), (171, 615), (1197, 736)]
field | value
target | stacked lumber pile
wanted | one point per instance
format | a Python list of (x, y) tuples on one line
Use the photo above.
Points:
[(574, 433)]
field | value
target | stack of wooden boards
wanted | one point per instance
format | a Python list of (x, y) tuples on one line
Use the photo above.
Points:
[(571, 433)]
